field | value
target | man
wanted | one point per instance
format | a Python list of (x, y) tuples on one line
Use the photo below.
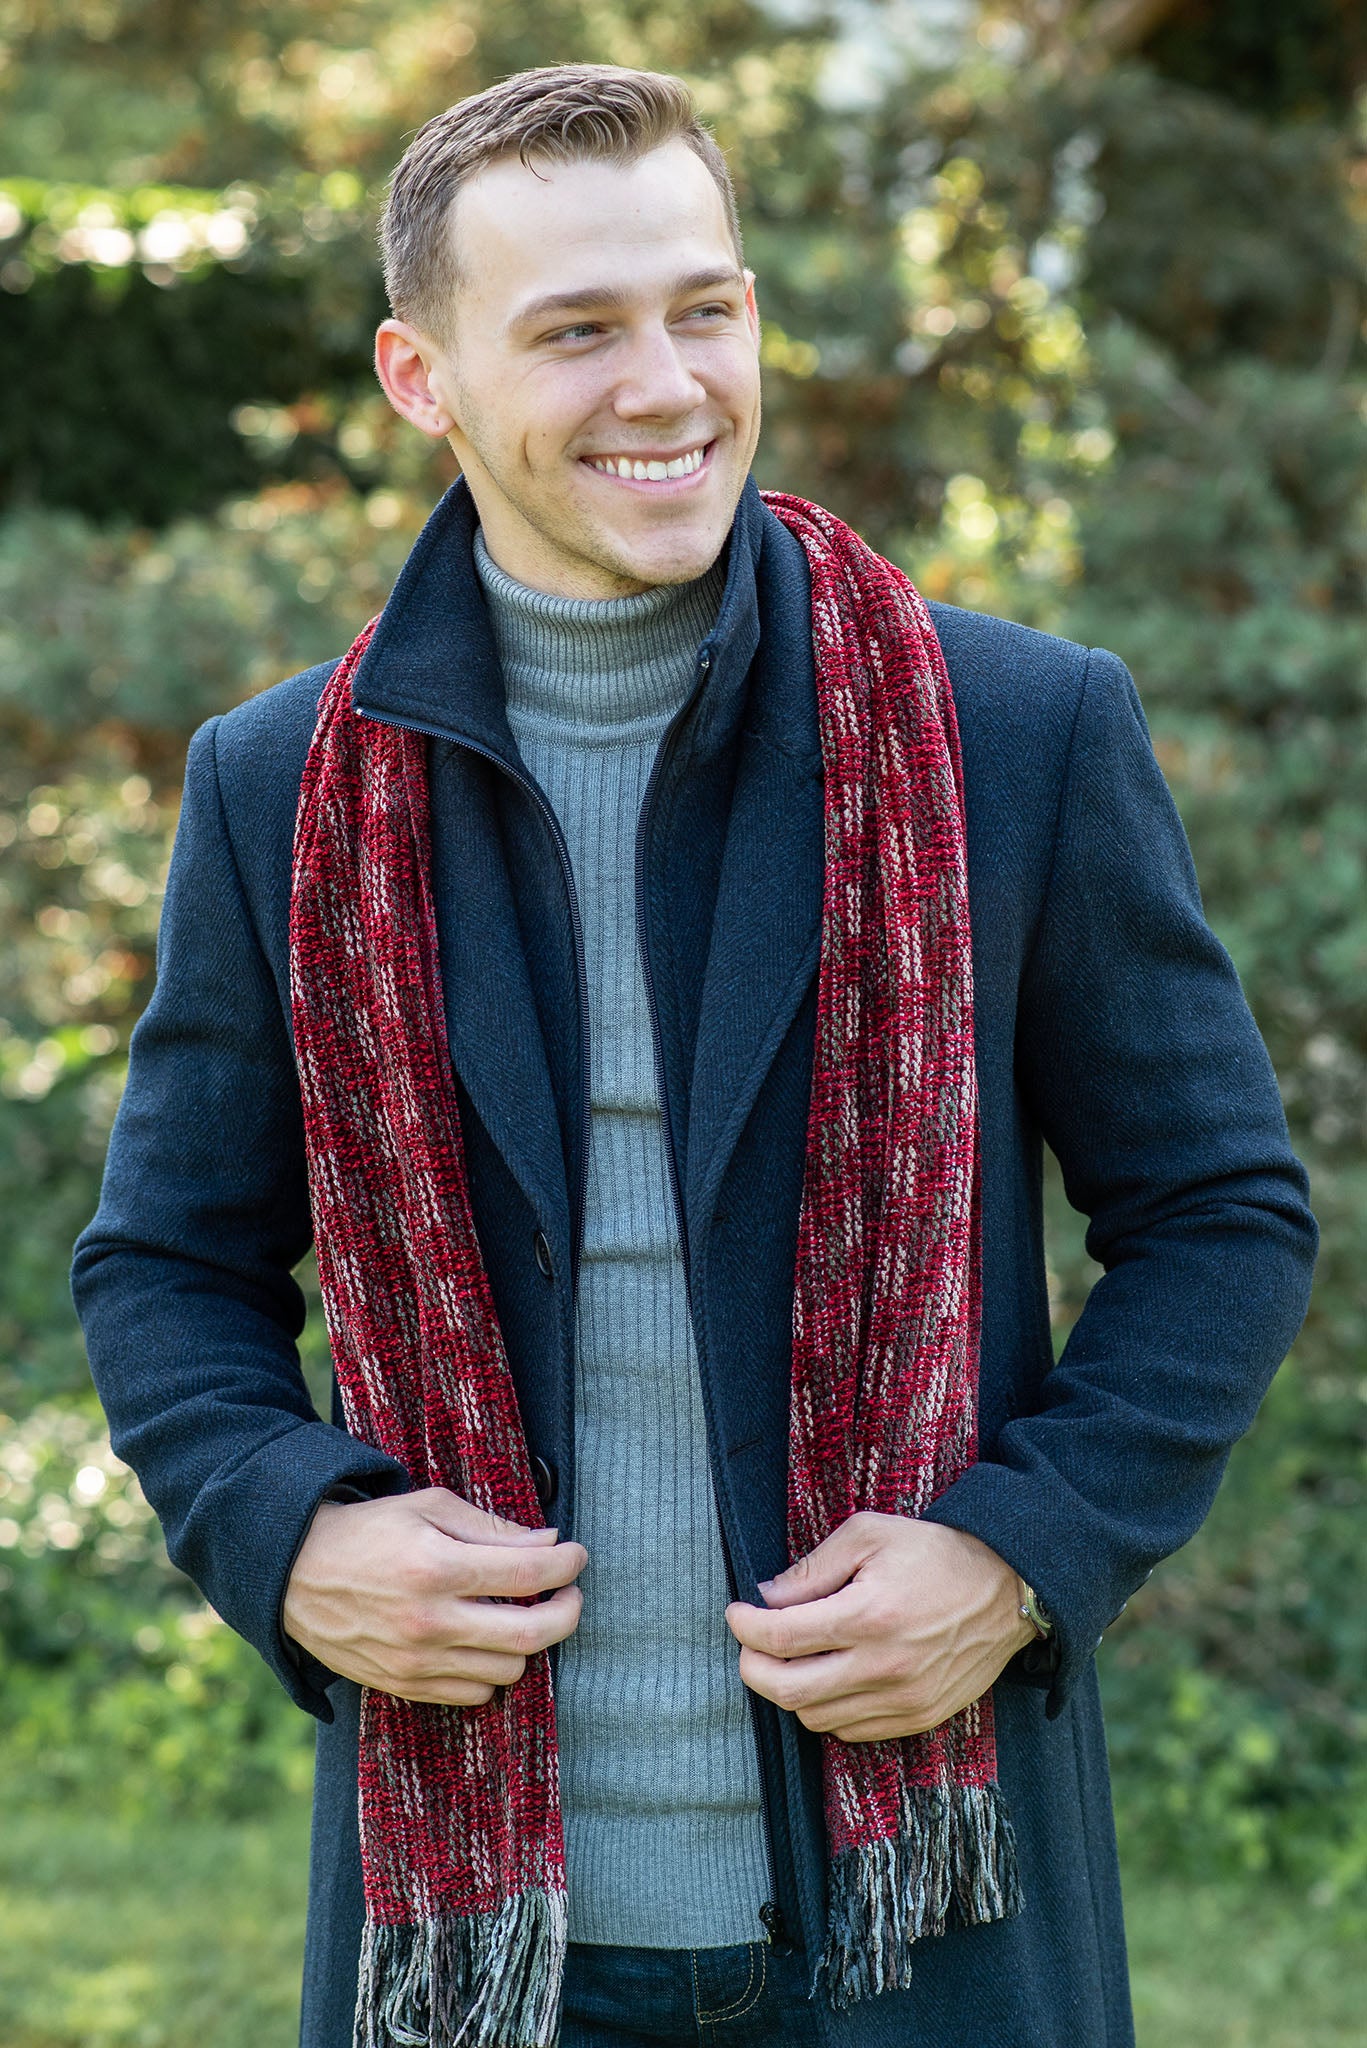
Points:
[(669, 811)]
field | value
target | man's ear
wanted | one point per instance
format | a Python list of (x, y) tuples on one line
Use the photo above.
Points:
[(405, 362), (751, 309)]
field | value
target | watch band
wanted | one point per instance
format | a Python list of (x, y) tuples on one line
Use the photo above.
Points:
[(1033, 1610)]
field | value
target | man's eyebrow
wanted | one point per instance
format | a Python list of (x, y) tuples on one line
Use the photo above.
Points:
[(614, 296)]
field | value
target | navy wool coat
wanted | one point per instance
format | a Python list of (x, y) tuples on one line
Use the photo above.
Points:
[(1110, 1026)]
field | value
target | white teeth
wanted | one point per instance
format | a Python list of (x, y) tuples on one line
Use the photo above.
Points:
[(649, 472)]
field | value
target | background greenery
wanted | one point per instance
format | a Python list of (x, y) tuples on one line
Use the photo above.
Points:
[(1064, 308)]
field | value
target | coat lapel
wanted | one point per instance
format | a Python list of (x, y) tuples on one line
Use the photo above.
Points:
[(493, 1017), (766, 927), (503, 925)]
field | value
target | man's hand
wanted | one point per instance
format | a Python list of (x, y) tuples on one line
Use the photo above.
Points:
[(887, 1628), (403, 1594)]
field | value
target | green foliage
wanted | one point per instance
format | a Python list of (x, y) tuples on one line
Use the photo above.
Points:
[(150, 1931), (254, 312), (1211, 290), (1309, 56), (1239, 1965), (118, 1682), (1237, 1723), (115, 645), (118, 643), (1222, 554)]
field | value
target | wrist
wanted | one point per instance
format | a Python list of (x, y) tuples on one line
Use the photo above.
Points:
[(1011, 1629)]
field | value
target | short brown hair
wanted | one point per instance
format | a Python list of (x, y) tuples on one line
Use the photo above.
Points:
[(561, 113)]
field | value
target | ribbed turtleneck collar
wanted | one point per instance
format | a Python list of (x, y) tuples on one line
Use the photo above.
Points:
[(606, 664)]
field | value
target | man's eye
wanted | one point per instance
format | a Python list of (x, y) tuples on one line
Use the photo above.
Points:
[(579, 333), (707, 312)]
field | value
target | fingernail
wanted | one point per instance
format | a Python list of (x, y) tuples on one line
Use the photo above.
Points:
[(765, 1585)]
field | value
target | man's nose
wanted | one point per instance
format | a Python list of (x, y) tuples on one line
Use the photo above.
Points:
[(656, 381)]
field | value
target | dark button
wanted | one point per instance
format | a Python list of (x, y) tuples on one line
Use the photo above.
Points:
[(546, 1480), (541, 1246)]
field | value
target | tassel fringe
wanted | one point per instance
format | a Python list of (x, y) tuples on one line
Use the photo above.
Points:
[(953, 1859), (482, 1980)]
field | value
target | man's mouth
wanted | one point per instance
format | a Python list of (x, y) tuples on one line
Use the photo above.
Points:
[(651, 469)]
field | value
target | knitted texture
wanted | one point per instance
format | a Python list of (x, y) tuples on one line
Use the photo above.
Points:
[(660, 1793), (886, 1297), (459, 1807), (460, 1825)]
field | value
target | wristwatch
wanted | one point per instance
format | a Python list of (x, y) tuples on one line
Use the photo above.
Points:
[(1033, 1610)]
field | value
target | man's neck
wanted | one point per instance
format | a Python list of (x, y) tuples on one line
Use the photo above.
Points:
[(605, 662)]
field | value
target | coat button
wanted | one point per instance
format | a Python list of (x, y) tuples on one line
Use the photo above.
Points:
[(541, 1246), (546, 1481)]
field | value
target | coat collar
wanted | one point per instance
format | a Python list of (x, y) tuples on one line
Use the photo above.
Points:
[(732, 885), (432, 662)]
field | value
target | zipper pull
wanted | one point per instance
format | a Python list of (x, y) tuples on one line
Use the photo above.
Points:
[(775, 1928)]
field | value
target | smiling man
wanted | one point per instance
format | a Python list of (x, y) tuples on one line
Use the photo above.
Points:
[(647, 967), (594, 365)]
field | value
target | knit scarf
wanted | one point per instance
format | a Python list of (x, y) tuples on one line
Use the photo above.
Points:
[(459, 1806)]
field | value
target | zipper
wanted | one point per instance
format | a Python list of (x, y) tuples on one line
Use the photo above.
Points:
[(643, 943), (525, 782), (770, 1914)]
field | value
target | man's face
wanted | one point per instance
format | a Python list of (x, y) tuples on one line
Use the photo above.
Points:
[(601, 369)]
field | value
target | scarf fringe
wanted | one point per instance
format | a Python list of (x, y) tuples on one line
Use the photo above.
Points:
[(954, 1856), (479, 1980)]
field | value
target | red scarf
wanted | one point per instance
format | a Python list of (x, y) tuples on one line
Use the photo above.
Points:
[(466, 1923)]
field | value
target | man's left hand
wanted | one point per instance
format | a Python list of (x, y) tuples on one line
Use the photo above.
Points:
[(887, 1628)]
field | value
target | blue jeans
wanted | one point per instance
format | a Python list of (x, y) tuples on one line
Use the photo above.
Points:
[(751, 1996)]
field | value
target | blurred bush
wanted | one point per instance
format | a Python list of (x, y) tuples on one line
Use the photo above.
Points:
[(119, 1685), (1063, 308), (227, 356)]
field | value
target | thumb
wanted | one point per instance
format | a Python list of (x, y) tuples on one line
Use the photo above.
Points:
[(822, 1571), (457, 1517)]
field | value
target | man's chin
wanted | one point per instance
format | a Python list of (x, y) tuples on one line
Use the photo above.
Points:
[(668, 555)]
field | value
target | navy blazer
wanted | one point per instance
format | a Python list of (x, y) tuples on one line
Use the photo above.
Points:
[(1109, 1023)]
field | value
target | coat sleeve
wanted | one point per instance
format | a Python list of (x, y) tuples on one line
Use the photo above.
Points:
[(183, 1279), (1139, 1060)]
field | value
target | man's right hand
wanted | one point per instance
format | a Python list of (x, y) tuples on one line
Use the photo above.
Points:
[(403, 1594)]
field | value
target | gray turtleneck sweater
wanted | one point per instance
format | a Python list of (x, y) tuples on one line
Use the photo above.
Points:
[(660, 1785)]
